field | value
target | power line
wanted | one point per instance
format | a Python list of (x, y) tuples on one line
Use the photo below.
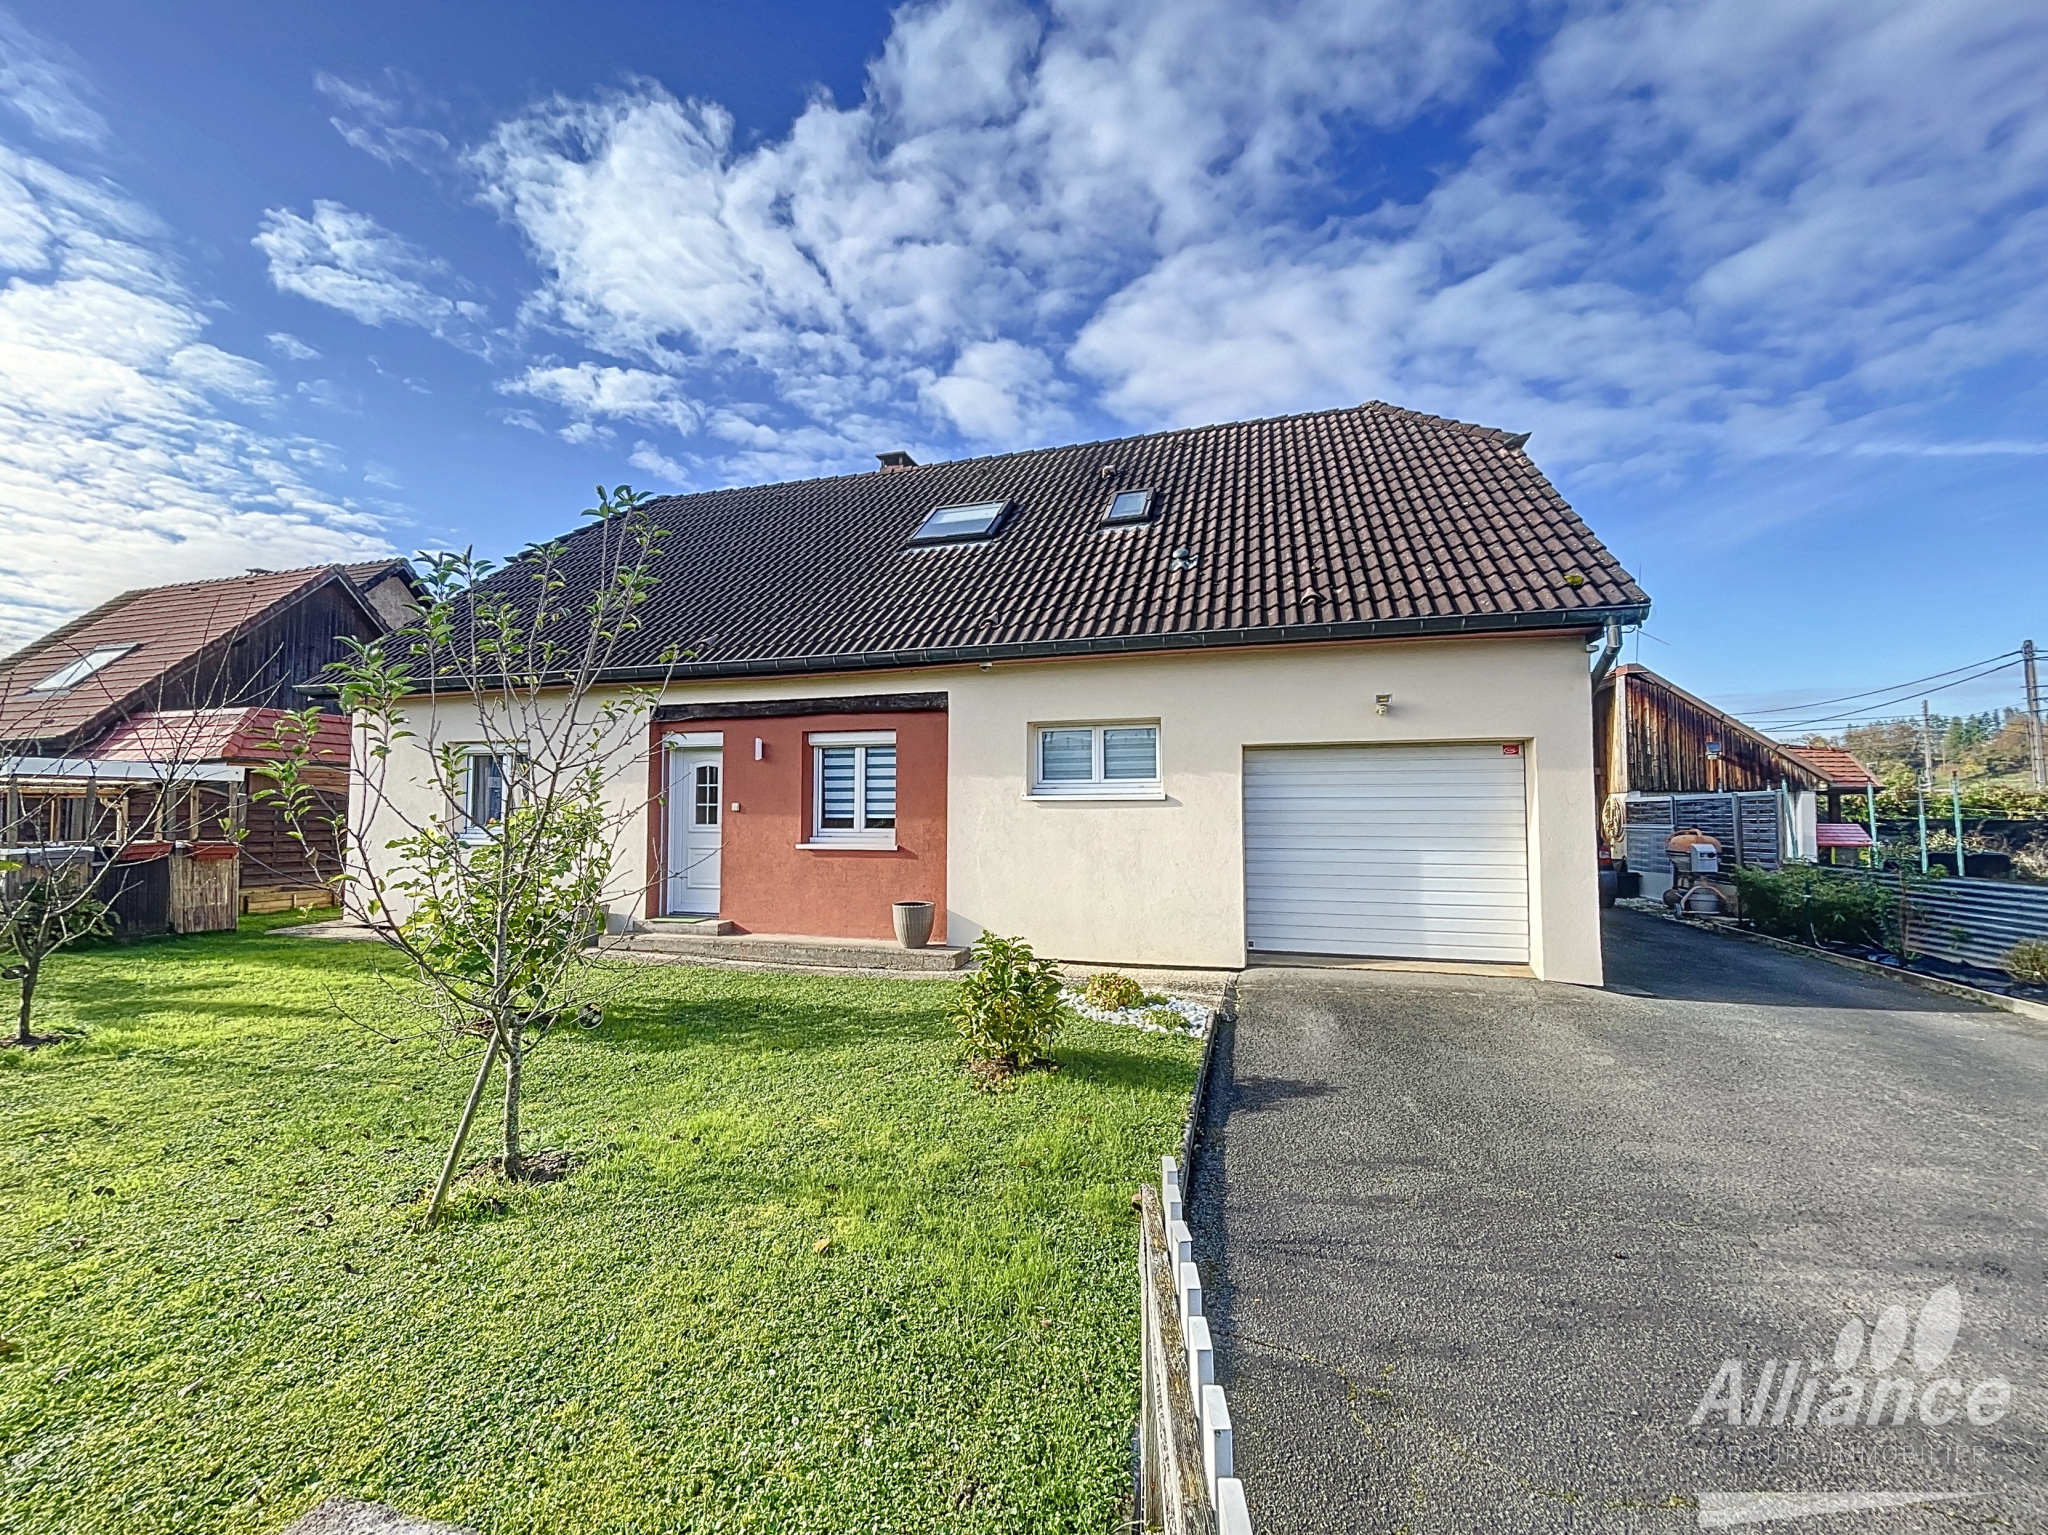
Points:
[(1879, 709), (1890, 687)]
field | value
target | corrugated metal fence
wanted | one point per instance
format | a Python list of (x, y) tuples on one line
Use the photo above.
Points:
[(1968, 921)]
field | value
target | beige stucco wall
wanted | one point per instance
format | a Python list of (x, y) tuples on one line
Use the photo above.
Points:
[(395, 797), (1162, 882)]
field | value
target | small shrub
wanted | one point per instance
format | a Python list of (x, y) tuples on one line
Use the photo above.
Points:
[(2027, 961), (1008, 1008), (1805, 903), (1112, 992)]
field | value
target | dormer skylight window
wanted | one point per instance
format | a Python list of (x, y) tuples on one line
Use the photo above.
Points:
[(1128, 506), (956, 524), (68, 677)]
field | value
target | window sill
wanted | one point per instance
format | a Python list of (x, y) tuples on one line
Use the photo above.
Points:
[(1152, 791), (855, 844)]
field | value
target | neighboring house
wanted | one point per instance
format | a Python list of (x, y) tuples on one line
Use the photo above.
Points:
[(1314, 685), (187, 676)]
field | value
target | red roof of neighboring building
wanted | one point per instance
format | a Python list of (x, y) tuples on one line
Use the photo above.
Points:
[(215, 735), (1841, 769)]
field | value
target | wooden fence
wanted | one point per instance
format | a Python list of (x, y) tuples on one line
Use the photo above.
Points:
[(1187, 1482)]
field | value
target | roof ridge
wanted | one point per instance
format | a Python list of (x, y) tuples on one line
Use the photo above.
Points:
[(1377, 407)]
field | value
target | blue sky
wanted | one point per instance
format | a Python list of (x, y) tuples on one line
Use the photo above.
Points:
[(1768, 282)]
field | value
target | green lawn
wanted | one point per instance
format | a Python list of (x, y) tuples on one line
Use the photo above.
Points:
[(217, 1309)]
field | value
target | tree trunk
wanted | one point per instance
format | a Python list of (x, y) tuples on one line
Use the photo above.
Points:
[(22, 1036), (512, 1166)]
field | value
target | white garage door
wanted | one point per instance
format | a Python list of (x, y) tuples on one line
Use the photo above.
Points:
[(1414, 852)]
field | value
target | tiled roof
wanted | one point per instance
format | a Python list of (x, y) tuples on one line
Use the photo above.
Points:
[(1841, 769), (214, 735), (1365, 521), (166, 626)]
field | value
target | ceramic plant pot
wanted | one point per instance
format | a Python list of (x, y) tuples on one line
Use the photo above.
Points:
[(913, 923)]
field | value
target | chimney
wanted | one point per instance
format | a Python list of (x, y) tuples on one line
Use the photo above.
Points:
[(896, 461)]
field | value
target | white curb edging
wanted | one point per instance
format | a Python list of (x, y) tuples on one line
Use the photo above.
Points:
[(1192, 1408)]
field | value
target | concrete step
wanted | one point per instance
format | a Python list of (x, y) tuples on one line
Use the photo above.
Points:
[(796, 950), (687, 927)]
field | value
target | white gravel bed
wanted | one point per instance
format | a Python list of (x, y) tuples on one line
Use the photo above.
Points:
[(1190, 1017)]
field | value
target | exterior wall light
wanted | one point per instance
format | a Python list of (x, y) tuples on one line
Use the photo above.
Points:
[(1382, 702)]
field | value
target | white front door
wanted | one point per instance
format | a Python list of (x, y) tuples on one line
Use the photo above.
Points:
[(695, 784)]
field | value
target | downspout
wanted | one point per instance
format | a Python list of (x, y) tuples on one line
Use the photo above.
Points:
[(1616, 724), (1608, 652)]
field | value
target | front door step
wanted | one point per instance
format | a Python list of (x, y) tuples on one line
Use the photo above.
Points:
[(710, 927), (665, 939)]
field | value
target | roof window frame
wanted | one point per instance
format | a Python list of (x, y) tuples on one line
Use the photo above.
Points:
[(982, 533), (1148, 512), (82, 668)]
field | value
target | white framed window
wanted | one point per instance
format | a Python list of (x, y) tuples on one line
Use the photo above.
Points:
[(1109, 761), (489, 787), (853, 788)]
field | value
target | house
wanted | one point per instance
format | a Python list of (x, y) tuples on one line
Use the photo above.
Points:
[(1313, 685), (185, 684)]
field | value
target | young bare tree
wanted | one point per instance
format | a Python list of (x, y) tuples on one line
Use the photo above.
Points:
[(75, 831), (489, 752)]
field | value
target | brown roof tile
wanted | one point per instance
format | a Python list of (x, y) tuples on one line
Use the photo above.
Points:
[(1398, 523)]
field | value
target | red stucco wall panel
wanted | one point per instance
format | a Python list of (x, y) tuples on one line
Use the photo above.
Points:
[(767, 884)]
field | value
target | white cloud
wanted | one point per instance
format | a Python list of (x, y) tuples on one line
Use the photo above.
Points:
[(348, 261), (119, 463), (646, 455), (45, 93), (1687, 226), (590, 391), (286, 345), (1001, 391), (1001, 179), (373, 121)]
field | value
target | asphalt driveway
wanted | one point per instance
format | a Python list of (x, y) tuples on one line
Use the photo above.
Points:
[(1479, 1249)]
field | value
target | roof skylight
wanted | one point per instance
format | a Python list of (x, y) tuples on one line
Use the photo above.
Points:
[(952, 524), (70, 676), (1129, 506)]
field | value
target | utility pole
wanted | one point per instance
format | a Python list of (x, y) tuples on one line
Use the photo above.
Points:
[(1926, 776), (2034, 718)]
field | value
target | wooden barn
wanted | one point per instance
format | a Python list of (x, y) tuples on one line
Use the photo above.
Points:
[(1653, 737), (184, 685)]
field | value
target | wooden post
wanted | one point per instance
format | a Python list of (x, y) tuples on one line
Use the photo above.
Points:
[(476, 1093), (1955, 798)]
